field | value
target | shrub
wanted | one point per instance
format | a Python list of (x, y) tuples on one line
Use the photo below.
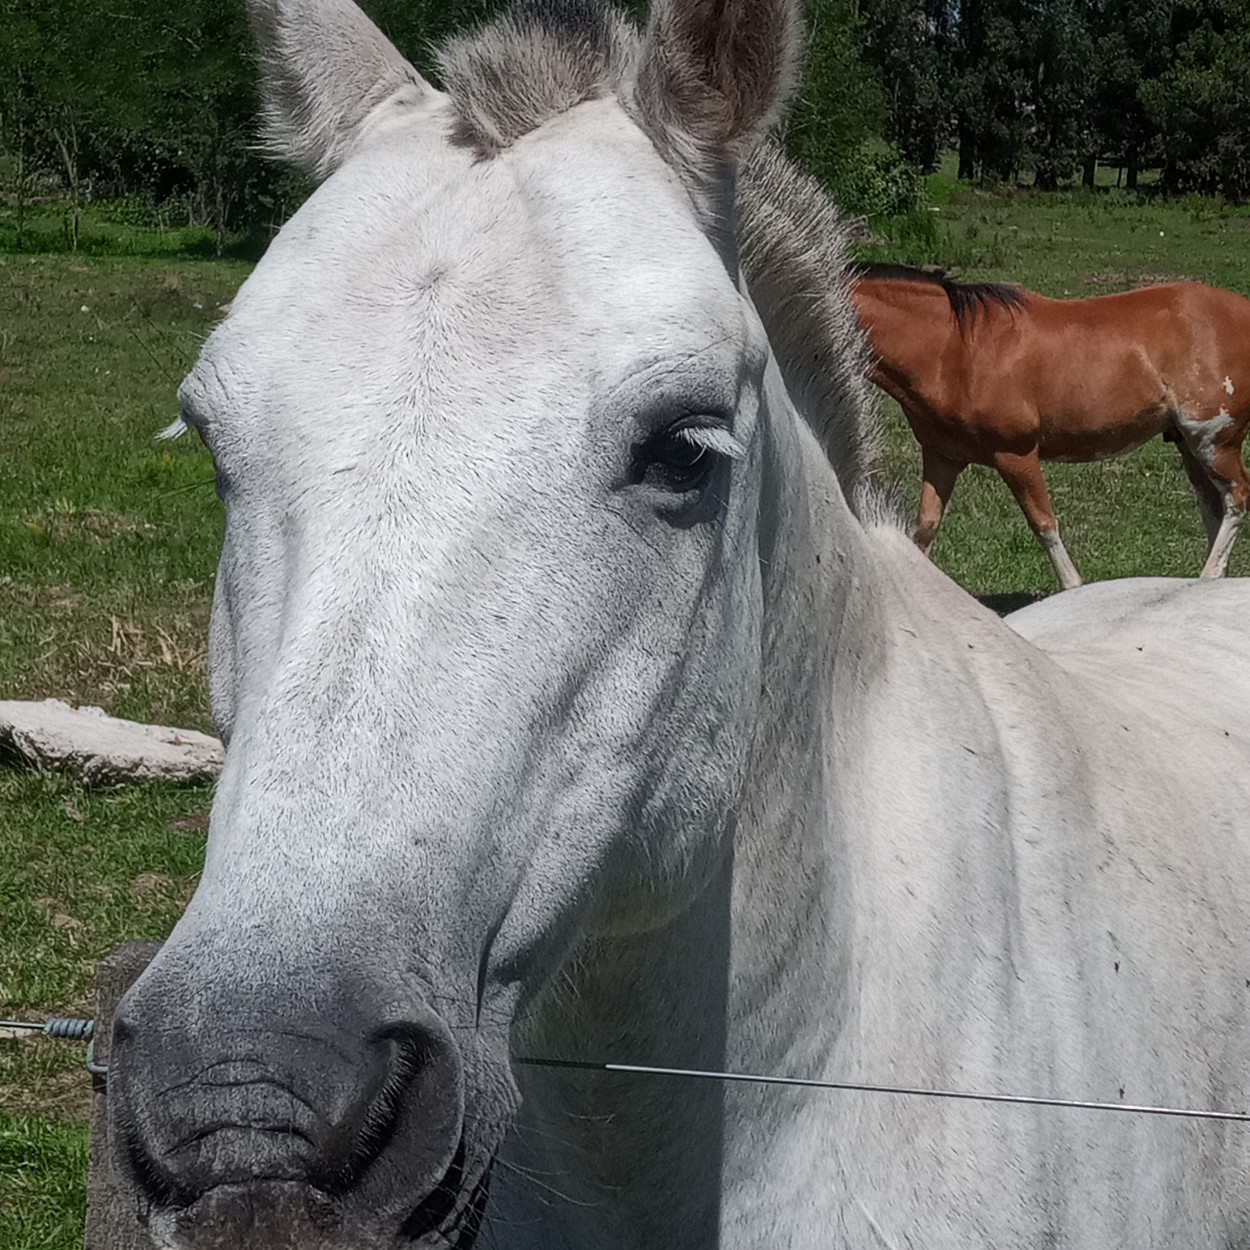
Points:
[(873, 180)]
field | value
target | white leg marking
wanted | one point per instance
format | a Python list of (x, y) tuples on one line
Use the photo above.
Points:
[(1069, 578), (1222, 547), (1228, 384)]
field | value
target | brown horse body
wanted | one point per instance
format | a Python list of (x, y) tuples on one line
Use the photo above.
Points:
[(995, 375)]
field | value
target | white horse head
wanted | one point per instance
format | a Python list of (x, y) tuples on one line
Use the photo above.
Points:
[(575, 705), (490, 421)]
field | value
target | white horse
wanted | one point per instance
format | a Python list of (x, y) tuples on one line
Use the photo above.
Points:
[(572, 709)]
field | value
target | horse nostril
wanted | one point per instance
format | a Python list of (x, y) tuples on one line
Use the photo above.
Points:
[(414, 1082)]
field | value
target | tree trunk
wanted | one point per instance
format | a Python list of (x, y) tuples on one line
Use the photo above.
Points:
[(67, 141), (1132, 171), (1088, 169), (219, 213), (21, 192), (112, 1204), (967, 162)]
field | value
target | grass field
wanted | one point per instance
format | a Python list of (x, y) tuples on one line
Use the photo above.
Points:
[(107, 548), (108, 542)]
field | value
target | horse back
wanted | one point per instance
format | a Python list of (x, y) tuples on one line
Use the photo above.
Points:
[(1098, 377), (1181, 332), (1071, 379)]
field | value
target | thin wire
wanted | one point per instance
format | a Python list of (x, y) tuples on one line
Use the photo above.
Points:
[(82, 1029), (638, 1069), (162, 365)]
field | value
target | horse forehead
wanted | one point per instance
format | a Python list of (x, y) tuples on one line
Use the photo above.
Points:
[(579, 218), (419, 277)]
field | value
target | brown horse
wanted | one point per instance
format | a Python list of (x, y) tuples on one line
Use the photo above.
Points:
[(997, 375)]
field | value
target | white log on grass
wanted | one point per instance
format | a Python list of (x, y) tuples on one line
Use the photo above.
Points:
[(102, 750)]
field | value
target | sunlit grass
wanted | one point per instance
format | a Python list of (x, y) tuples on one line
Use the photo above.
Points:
[(43, 1196), (108, 543), (108, 538), (79, 872)]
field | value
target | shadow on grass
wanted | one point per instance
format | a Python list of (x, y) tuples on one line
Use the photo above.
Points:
[(1004, 604)]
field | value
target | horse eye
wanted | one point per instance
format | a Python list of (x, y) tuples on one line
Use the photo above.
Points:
[(674, 462)]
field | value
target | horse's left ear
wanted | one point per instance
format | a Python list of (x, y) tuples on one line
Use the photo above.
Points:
[(329, 80), (716, 73)]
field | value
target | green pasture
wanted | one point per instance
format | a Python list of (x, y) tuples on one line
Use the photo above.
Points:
[(107, 547), (108, 540)]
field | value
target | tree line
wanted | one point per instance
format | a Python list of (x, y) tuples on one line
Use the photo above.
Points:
[(1054, 86), (117, 98), (134, 98)]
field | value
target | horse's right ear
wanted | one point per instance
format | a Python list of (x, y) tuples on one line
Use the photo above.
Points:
[(716, 73), (328, 76)]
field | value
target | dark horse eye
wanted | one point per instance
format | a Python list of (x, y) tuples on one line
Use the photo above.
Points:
[(673, 462)]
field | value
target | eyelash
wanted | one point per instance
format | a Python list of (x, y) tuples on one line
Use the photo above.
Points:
[(176, 429), (713, 438), (662, 461)]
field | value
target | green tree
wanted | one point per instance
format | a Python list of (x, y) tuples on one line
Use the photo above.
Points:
[(24, 130), (999, 89), (162, 100), (1198, 102), (910, 43), (992, 90), (186, 99), (1063, 64), (839, 105), (1132, 46)]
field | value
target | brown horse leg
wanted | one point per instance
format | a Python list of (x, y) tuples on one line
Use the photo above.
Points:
[(935, 493), (1215, 443), (1230, 476), (1023, 474), (1210, 501)]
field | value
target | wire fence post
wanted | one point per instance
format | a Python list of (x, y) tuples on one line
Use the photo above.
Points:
[(112, 1222)]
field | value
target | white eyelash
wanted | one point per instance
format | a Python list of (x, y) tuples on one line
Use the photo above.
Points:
[(176, 430), (714, 439)]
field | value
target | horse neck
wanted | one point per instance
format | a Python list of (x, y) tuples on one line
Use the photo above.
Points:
[(763, 972), (666, 997), (885, 687), (909, 324), (829, 596)]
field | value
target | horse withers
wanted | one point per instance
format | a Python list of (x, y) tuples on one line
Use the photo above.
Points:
[(580, 702), (988, 373)]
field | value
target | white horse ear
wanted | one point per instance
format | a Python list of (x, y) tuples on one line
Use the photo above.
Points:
[(717, 73), (328, 73)]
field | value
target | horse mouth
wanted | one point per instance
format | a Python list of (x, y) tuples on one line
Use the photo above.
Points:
[(288, 1213), (452, 1213)]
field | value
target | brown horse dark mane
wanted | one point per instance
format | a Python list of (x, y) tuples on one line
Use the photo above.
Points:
[(967, 299)]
